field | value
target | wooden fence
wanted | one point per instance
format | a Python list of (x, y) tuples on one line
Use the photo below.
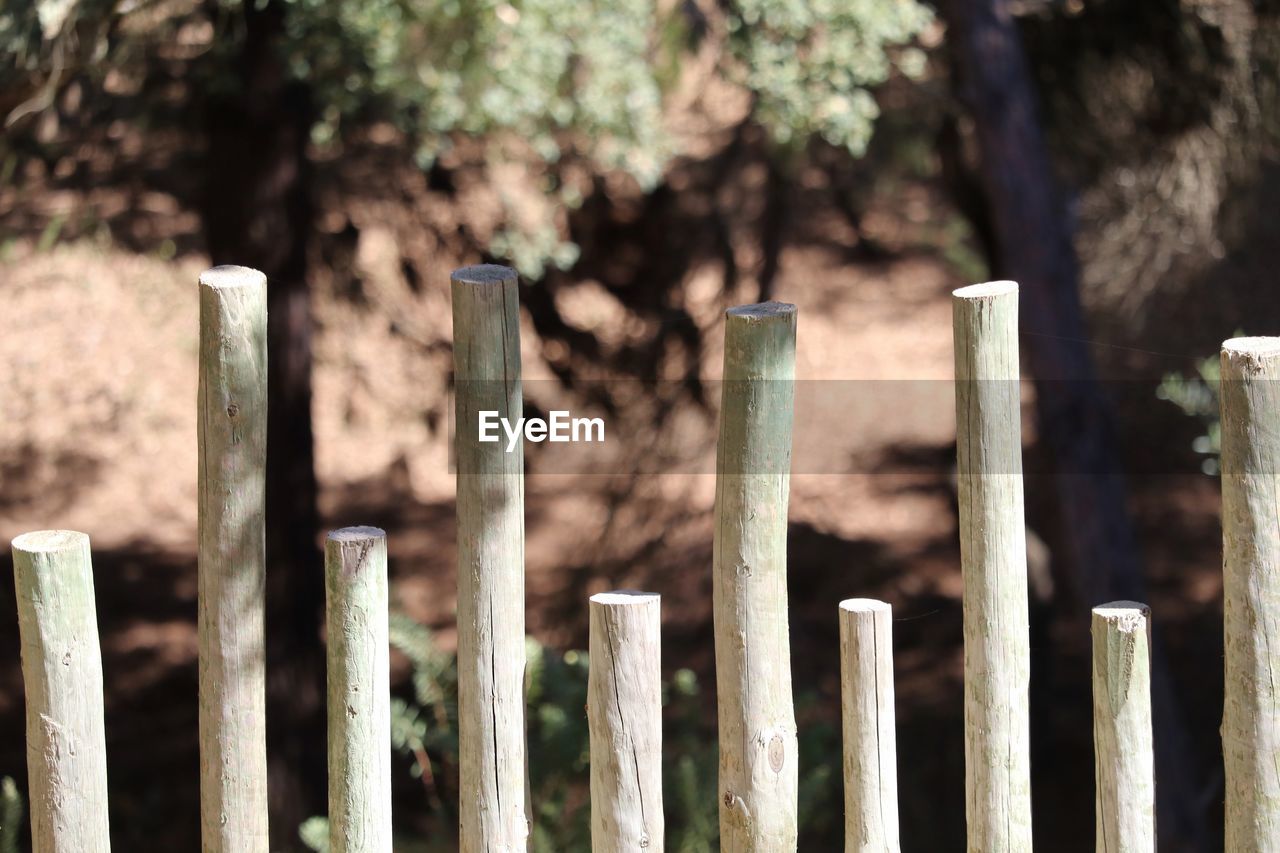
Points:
[(758, 745)]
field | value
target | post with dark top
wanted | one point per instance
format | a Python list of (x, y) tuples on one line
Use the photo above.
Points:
[(490, 505), (758, 749), (232, 440)]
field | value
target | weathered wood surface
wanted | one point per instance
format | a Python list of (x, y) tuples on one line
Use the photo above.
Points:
[(758, 749), (624, 711), (1250, 401), (62, 676), (232, 439), (490, 506), (1124, 766), (870, 742), (355, 570), (994, 563)]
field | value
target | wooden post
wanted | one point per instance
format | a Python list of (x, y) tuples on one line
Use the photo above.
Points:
[(1250, 400), (1122, 741), (994, 562), (624, 711), (355, 571), (491, 656), (758, 749), (62, 673), (232, 437), (870, 752)]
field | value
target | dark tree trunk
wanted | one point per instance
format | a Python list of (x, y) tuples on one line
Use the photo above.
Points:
[(1034, 239), (258, 212)]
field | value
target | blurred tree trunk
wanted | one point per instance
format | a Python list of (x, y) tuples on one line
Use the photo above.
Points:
[(1034, 246), (258, 212)]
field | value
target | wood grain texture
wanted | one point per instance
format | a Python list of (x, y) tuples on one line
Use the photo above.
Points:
[(62, 675), (232, 439), (491, 651), (993, 560), (870, 744), (355, 571), (624, 712), (1250, 401), (1124, 765), (758, 749)]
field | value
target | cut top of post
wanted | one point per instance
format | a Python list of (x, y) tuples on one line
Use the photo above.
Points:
[(484, 274), (1127, 615), (230, 276), (51, 541), (863, 605), (359, 533), (1251, 354), (986, 290), (762, 311), (624, 597)]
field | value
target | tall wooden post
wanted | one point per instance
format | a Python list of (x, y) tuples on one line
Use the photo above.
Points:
[(355, 572), (1250, 400), (62, 674), (624, 710), (232, 438), (993, 559), (758, 749), (491, 656)]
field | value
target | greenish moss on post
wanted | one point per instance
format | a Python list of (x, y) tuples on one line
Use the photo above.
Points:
[(1124, 765), (62, 674), (490, 506), (993, 557), (1250, 401), (758, 748), (232, 438), (624, 712), (870, 744), (355, 571)]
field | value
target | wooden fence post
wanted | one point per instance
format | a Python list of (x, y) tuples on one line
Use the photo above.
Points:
[(355, 570), (994, 562), (1250, 400), (870, 752), (624, 711), (62, 673), (758, 749), (490, 506), (232, 437), (1124, 765)]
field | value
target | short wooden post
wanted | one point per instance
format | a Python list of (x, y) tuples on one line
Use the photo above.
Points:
[(624, 712), (232, 437), (490, 505), (1124, 763), (758, 749), (870, 751), (1250, 400), (62, 673), (355, 571), (994, 562)]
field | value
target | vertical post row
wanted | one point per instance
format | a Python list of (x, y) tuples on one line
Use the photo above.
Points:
[(62, 673), (624, 711), (1250, 401), (491, 655), (1124, 766), (758, 749), (870, 751), (232, 437), (994, 562), (355, 571)]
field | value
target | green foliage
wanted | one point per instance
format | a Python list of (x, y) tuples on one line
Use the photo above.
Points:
[(424, 729), (1197, 397), (12, 811), (811, 64)]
